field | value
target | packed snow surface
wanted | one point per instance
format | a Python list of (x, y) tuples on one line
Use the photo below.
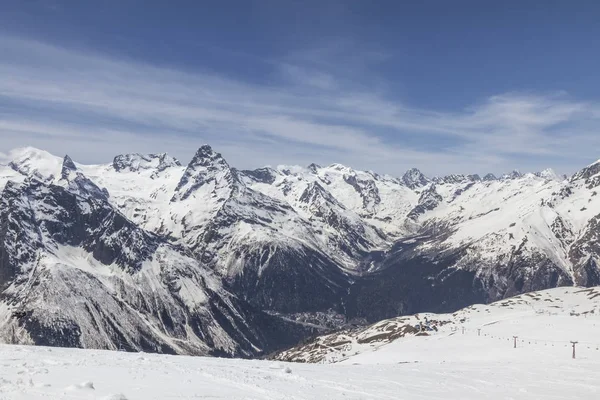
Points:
[(447, 364)]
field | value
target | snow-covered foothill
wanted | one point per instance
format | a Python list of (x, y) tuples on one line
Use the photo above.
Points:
[(545, 319)]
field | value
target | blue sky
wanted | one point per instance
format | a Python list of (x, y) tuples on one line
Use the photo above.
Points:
[(446, 86)]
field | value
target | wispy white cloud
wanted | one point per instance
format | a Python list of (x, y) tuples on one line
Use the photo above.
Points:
[(308, 77), (94, 107)]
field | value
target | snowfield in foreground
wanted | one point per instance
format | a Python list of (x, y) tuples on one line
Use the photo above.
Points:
[(448, 364)]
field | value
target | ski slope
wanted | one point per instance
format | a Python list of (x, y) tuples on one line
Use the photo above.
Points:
[(477, 362)]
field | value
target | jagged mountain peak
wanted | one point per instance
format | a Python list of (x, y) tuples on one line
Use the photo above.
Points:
[(207, 167), (206, 157), (489, 177), (314, 168), (413, 178), (76, 182), (67, 167)]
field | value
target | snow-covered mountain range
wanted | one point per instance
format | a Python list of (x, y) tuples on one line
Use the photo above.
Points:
[(147, 253)]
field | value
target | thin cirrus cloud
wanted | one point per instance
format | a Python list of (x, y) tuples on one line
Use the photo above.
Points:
[(93, 107)]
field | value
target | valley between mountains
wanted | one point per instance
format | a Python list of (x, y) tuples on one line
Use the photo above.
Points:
[(149, 254)]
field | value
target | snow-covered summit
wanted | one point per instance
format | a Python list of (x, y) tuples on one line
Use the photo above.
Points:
[(33, 162), (207, 167), (413, 178)]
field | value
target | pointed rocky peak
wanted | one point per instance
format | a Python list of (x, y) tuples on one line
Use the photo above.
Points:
[(135, 162), (68, 166), (314, 168), (207, 167), (489, 177), (413, 178), (474, 178), (207, 157), (76, 182)]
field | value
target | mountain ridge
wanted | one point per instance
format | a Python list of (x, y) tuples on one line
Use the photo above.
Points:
[(285, 245)]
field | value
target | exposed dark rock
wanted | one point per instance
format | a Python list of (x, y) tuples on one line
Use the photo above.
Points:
[(263, 175), (413, 178), (137, 162), (428, 200)]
